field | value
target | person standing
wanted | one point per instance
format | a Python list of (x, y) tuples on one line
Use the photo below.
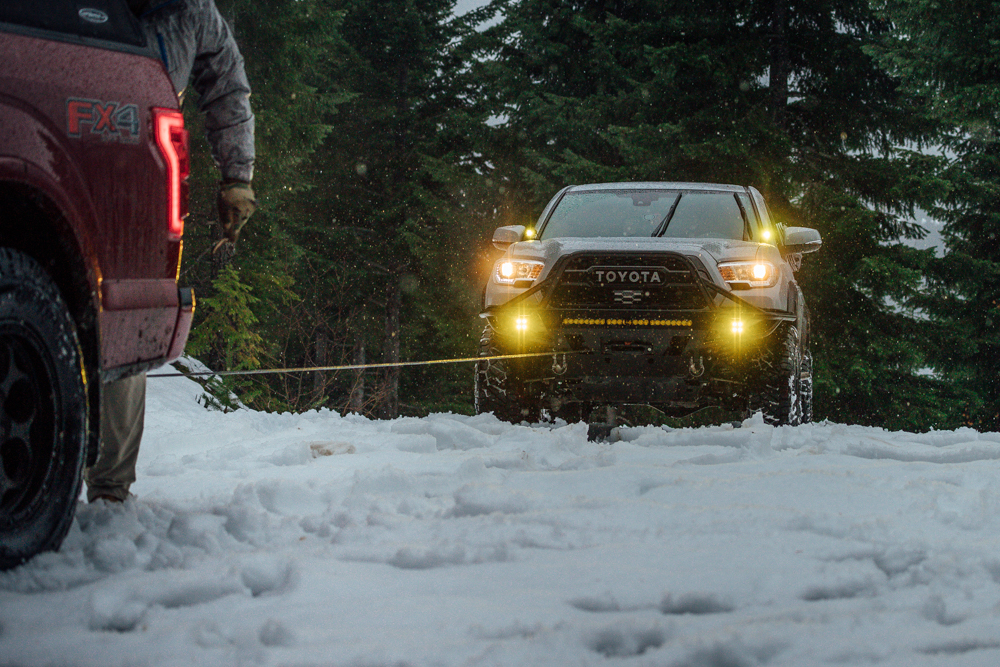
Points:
[(197, 47)]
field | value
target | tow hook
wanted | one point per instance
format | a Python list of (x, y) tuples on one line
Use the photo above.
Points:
[(696, 366), (559, 367)]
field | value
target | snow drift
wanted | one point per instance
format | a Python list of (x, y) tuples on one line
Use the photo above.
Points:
[(320, 539)]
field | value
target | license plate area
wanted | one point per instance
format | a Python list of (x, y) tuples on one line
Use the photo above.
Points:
[(626, 347)]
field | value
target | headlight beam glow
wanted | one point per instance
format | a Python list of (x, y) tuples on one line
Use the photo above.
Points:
[(748, 274), (515, 271)]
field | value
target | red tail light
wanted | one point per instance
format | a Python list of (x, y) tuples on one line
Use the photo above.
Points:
[(172, 139)]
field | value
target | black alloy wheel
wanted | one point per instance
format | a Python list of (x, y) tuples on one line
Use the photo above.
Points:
[(43, 411)]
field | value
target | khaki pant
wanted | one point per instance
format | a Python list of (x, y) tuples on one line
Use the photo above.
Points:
[(123, 412)]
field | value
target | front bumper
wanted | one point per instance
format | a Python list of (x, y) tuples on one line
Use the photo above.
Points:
[(695, 342)]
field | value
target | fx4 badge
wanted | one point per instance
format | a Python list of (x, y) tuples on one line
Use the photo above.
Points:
[(112, 120)]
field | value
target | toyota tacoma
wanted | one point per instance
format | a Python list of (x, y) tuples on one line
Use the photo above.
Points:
[(678, 296)]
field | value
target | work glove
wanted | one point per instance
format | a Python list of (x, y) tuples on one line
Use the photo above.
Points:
[(236, 205)]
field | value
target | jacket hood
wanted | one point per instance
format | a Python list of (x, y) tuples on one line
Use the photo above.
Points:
[(143, 8)]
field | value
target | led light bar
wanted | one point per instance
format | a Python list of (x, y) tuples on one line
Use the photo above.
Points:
[(607, 322)]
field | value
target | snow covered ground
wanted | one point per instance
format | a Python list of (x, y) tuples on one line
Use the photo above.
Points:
[(315, 539)]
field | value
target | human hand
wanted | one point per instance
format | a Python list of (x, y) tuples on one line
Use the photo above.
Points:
[(236, 205)]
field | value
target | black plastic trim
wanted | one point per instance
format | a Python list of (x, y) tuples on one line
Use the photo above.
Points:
[(70, 38)]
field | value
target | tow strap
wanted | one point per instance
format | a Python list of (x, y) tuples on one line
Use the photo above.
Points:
[(356, 367)]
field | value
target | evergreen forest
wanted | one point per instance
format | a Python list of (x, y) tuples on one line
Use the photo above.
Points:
[(394, 136)]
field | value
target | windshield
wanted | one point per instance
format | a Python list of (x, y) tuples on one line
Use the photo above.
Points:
[(645, 213)]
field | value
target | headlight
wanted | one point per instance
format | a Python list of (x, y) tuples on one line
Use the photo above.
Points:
[(510, 272), (743, 275)]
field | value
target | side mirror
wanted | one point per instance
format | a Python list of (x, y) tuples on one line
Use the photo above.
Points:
[(802, 239), (504, 237)]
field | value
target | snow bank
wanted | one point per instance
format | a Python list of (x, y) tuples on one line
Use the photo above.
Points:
[(320, 539)]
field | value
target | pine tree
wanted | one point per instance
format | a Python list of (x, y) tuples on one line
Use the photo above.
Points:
[(387, 232), (778, 95), (229, 333), (945, 55), (291, 50)]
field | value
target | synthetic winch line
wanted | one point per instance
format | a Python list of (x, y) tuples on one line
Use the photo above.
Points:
[(357, 367)]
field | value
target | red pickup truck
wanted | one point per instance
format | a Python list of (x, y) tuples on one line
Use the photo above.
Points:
[(93, 195)]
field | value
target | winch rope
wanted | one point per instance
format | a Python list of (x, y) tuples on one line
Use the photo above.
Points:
[(357, 367)]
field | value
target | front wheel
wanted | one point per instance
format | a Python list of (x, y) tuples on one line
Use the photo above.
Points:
[(43, 411), (776, 379), (496, 388), (806, 388)]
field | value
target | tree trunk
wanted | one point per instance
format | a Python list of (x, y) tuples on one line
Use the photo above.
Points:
[(357, 402), (393, 303), (219, 261), (222, 257), (319, 377), (780, 65)]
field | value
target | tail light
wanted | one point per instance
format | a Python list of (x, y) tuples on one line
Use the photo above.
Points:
[(172, 139)]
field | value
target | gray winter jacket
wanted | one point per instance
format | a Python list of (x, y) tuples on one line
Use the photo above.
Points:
[(197, 46)]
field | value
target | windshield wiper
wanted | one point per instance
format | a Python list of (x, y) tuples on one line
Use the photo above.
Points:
[(667, 218)]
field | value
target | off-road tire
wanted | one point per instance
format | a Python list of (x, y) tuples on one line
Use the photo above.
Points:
[(496, 390), (43, 411), (806, 388), (775, 380)]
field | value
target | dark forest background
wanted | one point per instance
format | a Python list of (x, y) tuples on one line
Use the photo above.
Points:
[(394, 137)]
